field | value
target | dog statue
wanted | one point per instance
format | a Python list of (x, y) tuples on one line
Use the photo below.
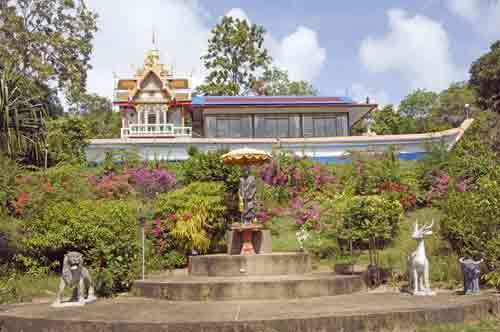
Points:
[(77, 277)]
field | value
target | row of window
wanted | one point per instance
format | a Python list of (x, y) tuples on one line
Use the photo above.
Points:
[(278, 125)]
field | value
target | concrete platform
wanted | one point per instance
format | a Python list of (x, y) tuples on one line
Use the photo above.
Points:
[(237, 265), (251, 288), (347, 313)]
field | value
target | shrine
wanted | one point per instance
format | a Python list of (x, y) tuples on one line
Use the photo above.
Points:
[(154, 101)]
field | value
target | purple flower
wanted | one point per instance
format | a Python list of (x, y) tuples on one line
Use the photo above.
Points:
[(152, 182), (157, 231)]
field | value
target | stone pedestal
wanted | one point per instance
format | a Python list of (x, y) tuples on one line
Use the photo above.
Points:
[(261, 241)]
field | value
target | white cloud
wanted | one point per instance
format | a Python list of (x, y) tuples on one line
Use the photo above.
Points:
[(300, 53), (468, 9), (125, 33), (416, 47), (359, 92), (239, 14), (182, 31), (482, 14)]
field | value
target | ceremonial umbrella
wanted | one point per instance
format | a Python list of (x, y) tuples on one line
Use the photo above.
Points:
[(246, 156)]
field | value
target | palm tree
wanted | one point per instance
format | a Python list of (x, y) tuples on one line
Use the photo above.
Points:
[(21, 117)]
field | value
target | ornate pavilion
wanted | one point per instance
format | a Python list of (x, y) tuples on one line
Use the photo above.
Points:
[(154, 102)]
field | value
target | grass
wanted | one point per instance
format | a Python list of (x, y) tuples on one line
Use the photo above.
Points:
[(444, 266), (483, 326), (18, 288), (283, 234)]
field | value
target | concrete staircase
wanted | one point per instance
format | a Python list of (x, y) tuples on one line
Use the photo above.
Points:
[(258, 277)]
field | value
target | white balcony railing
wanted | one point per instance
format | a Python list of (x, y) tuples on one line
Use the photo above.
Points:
[(155, 130)]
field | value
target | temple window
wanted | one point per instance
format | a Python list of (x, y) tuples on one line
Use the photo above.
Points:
[(151, 117)]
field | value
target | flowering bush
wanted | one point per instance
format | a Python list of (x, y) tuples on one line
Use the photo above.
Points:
[(289, 175), (441, 184), (20, 203), (307, 213), (148, 182), (400, 192), (112, 186), (152, 182)]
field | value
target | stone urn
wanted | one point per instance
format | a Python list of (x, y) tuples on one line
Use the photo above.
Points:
[(471, 270)]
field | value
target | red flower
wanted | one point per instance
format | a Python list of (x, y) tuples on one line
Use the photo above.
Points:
[(20, 203)]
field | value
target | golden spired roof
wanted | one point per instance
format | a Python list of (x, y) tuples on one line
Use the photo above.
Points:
[(153, 71)]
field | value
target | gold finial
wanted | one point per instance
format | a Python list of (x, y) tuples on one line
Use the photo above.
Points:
[(155, 48)]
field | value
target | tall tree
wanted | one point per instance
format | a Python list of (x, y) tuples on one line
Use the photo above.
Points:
[(418, 105), (50, 41), (275, 82), (235, 55), (485, 78), (21, 117), (97, 112), (450, 105), (388, 121)]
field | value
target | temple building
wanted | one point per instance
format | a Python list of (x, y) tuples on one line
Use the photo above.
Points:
[(157, 103), (154, 102), (161, 120)]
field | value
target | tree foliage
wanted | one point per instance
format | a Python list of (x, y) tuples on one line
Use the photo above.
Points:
[(275, 82), (450, 104), (235, 54), (21, 117), (418, 104), (371, 218), (485, 78), (472, 223), (66, 139), (50, 40), (388, 121), (97, 112)]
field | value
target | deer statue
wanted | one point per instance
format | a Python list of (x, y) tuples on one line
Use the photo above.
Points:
[(418, 264)]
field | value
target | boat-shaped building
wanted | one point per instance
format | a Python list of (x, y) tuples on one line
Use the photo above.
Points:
[(161, 120)]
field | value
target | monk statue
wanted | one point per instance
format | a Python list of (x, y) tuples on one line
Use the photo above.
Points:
[(247, 191)]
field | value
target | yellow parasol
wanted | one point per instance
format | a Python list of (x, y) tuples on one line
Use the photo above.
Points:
[(246, 156)]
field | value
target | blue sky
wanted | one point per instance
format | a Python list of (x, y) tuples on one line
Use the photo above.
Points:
[(382, 49)]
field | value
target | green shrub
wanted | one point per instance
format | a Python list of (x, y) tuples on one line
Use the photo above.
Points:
[(371, 218), (105, 232), (202, 167), (67, 139), (472, 222), (8, 187), (190, 218)]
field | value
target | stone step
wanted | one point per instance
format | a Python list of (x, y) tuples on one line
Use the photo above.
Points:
[(386, 312), (248, 288), (282, 263)]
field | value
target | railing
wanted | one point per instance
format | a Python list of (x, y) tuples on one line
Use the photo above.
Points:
[(154, 130)]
